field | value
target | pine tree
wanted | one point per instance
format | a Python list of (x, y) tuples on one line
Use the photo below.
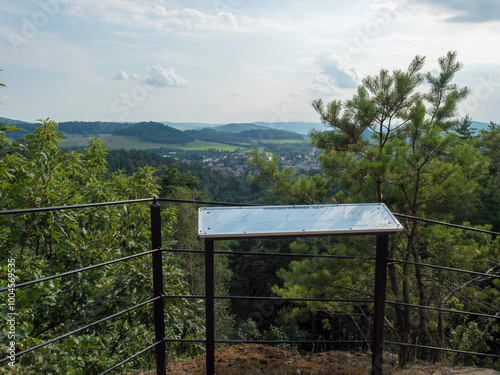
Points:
[(391, 143)]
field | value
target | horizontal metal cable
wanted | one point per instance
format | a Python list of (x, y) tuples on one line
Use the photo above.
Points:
[(395, 214), (442, 349), (204, 202), (132, 357), (295, 299), (271, 254), (81, 329), (72, 207), (183, 251), (294, 255), (184, 340), (292, 342), (183, 296), (447, 224), (273, 298), (58, 208), (274, 341), (20, 285), (444, 268), (441, 309)]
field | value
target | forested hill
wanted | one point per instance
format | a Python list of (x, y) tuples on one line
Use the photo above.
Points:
[(236, 133), (93, 127), (212, 135), (237, 128), (155, 132), (85, 128), (269, 134)]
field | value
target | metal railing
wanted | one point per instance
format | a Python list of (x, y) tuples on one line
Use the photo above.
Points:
[(156, 298), (158, 294)]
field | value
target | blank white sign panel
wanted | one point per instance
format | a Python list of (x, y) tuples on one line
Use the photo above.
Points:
[(254, 221)]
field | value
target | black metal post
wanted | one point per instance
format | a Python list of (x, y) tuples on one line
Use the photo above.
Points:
[(159, 313), (209, 305), (379, 307)]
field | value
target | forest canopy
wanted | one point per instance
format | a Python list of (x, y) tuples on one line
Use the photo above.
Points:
[(398, 140)]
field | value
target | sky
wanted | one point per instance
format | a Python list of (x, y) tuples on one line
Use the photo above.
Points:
[(224, 61)]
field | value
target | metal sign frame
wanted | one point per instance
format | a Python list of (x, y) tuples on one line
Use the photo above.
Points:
[(216, 223), (274, 221)]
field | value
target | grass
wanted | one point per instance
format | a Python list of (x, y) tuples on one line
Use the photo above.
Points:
[(279, 141), (114, 142), (202, 145)]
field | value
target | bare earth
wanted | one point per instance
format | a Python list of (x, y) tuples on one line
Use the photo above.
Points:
[(256, 359)]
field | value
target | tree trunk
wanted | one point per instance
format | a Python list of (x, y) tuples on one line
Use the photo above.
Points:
[(400, 316), (404, 334), (421, 300)]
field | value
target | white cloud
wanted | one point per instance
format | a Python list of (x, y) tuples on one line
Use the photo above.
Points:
[(121, 76), (323, 85), (469, 11), (343, 75), (266, 52), (153, 15), (159, 76)]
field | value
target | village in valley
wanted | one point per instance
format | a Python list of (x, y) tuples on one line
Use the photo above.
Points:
[(235, 162)]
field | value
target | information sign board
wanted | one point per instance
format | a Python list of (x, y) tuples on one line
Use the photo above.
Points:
[(269, 221)]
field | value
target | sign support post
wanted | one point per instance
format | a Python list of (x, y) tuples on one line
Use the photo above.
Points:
[(298, 221), (379, 303), (210, 305)]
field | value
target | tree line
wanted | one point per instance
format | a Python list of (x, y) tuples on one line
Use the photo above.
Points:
[(420, 159)]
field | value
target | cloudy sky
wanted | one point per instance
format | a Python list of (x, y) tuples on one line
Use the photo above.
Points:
[(220, 61)]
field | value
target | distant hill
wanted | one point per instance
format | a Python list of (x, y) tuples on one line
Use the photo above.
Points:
[(14, 122), (171, 132), (212, 135), (155, 132), (189, 125), (480, 125), (85, 128), (237, 128), (245, 136), (297, 127), (262, 134), (16, 134)]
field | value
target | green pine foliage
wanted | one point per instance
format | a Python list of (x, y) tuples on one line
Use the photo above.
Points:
[(394, 143)]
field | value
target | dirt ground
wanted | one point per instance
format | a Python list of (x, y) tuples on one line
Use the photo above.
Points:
[(256, 359)]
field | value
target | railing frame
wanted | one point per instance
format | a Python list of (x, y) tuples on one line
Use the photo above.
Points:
[(381, 261), (382, 247), (159, 311)]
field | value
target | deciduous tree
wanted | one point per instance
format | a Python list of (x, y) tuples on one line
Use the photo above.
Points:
[(42, 174)]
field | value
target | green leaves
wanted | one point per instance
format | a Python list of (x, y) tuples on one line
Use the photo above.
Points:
[(41, 173)]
